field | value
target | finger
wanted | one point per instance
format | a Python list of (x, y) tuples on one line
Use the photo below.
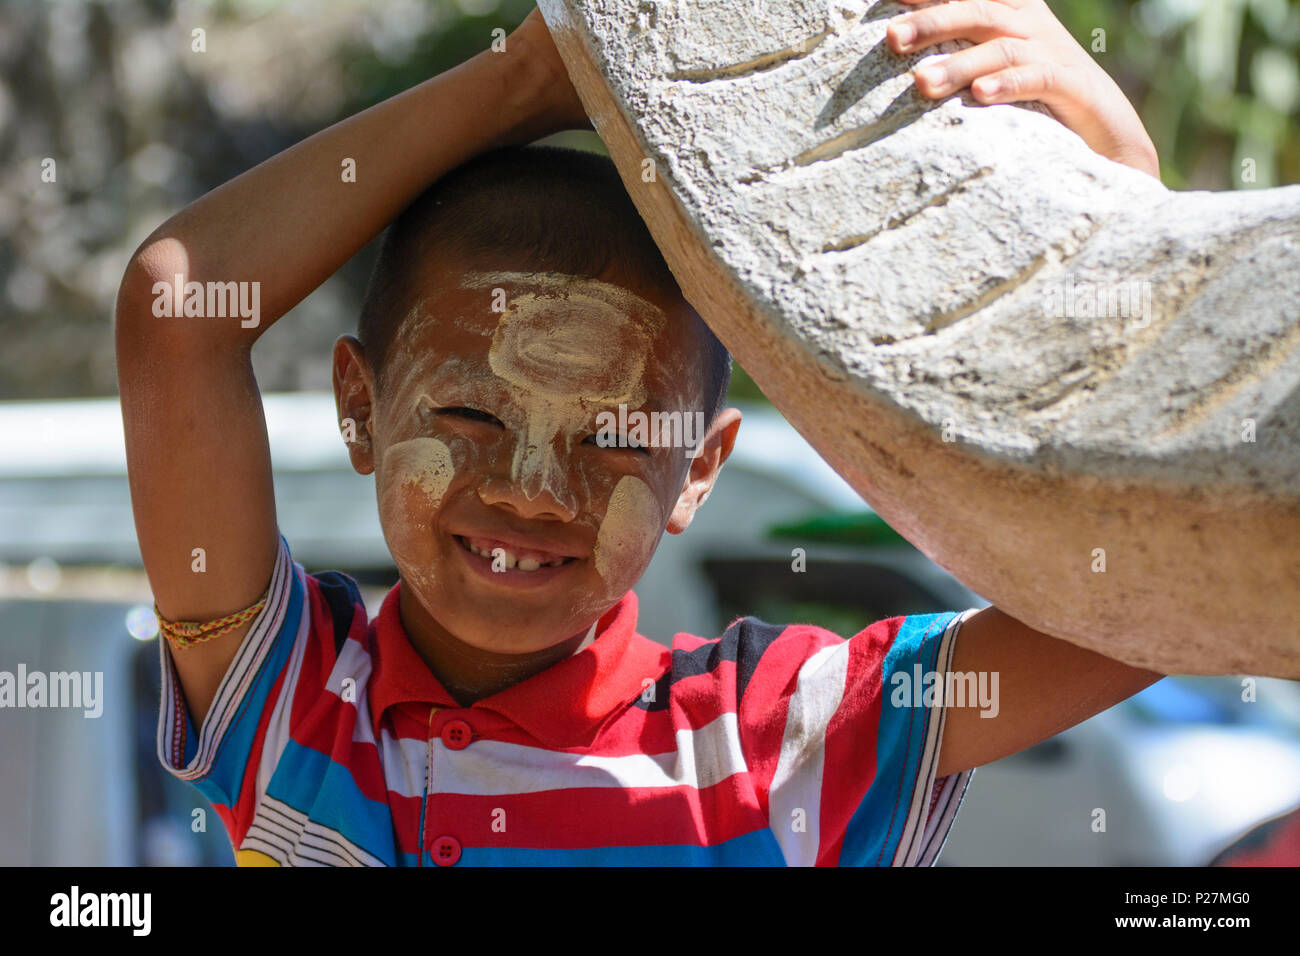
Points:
[(958, 70), (977, 20), (1032, 81)]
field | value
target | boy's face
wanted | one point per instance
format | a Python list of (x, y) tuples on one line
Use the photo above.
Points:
[(512, 527)]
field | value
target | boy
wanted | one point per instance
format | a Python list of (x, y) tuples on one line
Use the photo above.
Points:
[(501, 707)]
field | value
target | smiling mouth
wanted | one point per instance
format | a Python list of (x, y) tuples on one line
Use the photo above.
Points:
[(513, 558)]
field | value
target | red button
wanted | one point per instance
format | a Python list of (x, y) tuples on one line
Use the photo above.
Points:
[(456, 735), (446, 850)]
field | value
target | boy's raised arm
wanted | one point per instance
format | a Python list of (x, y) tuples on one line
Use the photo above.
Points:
[(197, 452), (1043, 686)]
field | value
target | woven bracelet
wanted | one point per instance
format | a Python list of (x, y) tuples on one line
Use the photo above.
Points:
[(188, 633)]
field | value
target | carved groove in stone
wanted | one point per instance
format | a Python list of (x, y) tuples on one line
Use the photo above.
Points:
[(758, 64)]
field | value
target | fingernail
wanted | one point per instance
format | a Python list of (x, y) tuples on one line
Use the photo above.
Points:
[(935, 76), (989, 87), (904, 34)]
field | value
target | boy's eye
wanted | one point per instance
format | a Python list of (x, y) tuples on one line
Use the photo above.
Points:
[(620, 443), (472, 414)]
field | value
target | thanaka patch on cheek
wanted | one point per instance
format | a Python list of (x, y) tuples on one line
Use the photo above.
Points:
[(422, 464), (631, 527), (416, 475)]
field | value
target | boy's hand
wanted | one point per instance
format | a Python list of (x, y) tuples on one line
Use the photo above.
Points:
[(1024, 53), (557, 105)]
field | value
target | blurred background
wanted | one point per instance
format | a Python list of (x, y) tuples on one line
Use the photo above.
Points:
[(138, 125)]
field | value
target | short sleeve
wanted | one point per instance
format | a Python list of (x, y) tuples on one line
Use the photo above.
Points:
[(854, 727), (226, 757)]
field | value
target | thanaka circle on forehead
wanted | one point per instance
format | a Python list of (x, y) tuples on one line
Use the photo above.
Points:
[(577, 347), (621, 298), (598, 361), (572, 337)]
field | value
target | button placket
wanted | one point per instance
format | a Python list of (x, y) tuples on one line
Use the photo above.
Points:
[(456, 734), (428, 785)]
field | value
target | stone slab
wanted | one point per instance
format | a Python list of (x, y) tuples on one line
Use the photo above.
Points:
[(1026, 358)]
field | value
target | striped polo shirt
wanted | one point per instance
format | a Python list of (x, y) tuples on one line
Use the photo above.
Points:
[(331, 743)]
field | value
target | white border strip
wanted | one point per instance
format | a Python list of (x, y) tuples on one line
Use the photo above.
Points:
[(923, 838)]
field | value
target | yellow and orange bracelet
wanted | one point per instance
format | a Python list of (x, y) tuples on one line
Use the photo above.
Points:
[(182, 634)]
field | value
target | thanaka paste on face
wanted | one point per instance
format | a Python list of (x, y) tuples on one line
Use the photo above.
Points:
[(567, 353), (630, 530), (422, 462), (418, 466), (564, 348)]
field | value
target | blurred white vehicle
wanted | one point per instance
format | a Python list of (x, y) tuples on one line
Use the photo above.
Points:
[(1179, 771)]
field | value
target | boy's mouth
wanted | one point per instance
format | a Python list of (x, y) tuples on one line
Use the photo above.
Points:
[(512, 557)]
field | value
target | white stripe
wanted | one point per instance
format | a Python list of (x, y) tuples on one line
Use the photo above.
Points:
[(945, 811), (916, 836), (404, 762), (797, 782), (292, 839), (354, 662), (703, 758)]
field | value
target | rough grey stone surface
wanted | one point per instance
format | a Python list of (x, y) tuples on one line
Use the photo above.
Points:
[(1019, 351)]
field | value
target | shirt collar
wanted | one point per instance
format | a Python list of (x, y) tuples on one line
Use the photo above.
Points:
[(559, 706)]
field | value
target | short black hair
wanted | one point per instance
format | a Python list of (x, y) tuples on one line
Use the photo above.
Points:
[(550, 207)]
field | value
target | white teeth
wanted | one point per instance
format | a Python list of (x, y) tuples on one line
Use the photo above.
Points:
[(503, 560)]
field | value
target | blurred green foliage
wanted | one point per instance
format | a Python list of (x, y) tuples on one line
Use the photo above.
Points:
[(835, 527), (1215, 82)]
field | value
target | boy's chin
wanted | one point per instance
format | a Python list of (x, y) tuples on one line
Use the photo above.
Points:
[(511, 638), (502, 627)]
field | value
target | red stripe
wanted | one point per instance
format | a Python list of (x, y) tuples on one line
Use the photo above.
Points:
[(766, 705), (406, 821), (318, 657), (851, 735), (588, 817)]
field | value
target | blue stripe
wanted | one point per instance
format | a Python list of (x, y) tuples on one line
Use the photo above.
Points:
[(876, 828), (315, 784)]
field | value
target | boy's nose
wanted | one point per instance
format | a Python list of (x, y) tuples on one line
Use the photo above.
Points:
[(536, 482), (547, 502)]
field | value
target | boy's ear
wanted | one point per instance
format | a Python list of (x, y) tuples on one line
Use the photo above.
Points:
[(354, 401), (704, 470)]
